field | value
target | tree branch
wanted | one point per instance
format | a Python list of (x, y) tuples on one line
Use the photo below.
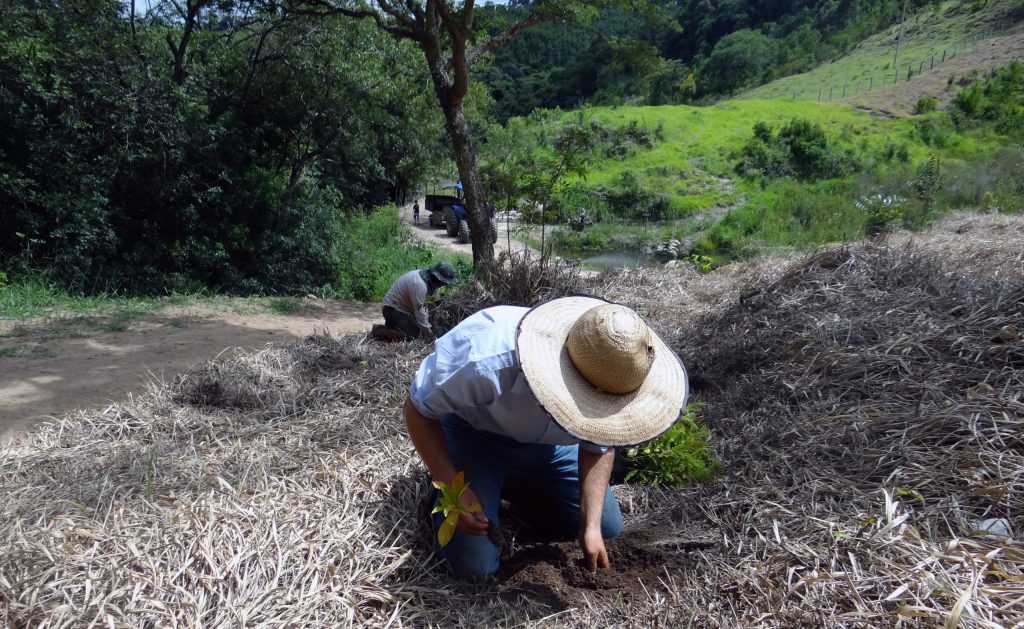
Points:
[(325, 8), (507, 35)]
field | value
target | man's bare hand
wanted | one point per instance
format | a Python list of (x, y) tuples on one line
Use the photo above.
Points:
[(473, 523), (594, 554)]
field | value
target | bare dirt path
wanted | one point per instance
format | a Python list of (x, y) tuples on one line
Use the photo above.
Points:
[(49, 368), (424, 232)]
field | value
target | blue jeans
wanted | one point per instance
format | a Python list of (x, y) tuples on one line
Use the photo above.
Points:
[(487, 460)]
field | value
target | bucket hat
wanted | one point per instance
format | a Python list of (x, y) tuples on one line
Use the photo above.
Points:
[(443, 272), (599, 371)]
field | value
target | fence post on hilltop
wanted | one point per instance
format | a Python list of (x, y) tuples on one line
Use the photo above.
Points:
[(819, 95), (844, 90), (830, 87), (920, 69), (871, 82), (943, 56), (933, 62)]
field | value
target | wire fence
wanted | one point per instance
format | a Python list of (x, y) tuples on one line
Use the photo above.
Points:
[(904, 72)]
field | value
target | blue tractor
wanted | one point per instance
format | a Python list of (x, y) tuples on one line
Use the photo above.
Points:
[(449, 211)]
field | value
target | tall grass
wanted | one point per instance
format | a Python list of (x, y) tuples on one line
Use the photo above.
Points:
[(26, 293), (788, 214), (376, 248)]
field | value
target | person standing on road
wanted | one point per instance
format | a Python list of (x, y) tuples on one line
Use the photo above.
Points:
[(405, 304), (416, 213), (542, 395)]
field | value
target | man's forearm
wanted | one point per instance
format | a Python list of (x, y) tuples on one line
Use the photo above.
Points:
[(428, 438), (595, 471)]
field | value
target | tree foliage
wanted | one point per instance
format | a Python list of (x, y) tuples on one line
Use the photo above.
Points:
[(800, 149), (451, 42), (207, 148), (707, 49), (737, 60)]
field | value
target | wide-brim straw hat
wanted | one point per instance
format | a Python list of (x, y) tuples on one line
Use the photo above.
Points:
[(580, 408)]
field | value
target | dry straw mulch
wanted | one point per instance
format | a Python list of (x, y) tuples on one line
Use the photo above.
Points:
[(867, 403)]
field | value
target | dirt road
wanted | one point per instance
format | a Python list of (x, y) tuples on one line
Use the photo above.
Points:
[(50, 367), (439, 237)]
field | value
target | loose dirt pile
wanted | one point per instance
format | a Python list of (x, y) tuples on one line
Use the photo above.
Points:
[(867, 403)]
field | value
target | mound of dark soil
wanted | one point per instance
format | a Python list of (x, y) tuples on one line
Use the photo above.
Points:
[(555, 575)]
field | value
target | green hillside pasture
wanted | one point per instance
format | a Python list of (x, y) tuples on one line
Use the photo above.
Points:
[(950, 26), (695, 164), (695, 167)]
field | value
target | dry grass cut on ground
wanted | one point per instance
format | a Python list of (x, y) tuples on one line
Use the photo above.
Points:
[(867, 403)]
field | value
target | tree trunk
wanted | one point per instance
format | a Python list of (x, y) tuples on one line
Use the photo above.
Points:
[(465, 159), (450, 85)]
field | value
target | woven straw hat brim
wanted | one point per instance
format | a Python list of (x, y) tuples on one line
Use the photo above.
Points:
[(576, 405)]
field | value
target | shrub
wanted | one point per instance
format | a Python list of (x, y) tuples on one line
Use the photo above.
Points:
[(927, 183), (926, 104), (896, 152), (999, 99), (880, 211), (622, 140), (375, 249), (630, 199), (800, 149), (933, 131), (680, 456)]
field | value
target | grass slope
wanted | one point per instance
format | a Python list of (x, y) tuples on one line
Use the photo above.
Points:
[(693, 166), (951, 27), (929, 164), (700, 142)]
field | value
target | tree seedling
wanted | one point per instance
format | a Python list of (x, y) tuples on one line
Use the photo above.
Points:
[(450, 503)]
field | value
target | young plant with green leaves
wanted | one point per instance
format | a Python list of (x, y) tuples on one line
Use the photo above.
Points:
[(680, 456), (450, 504)]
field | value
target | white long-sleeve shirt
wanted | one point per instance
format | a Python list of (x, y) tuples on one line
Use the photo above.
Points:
[(475, 373)]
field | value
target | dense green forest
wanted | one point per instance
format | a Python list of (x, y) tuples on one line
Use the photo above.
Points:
[(706, 50), (137, 155), (237, 146)]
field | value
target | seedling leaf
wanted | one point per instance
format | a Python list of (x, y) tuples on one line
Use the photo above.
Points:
[(447, 530), (450, 503)]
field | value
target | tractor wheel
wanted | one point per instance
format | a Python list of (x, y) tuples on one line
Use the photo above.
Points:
[(451, 224), (494, 232), (463, 232)]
